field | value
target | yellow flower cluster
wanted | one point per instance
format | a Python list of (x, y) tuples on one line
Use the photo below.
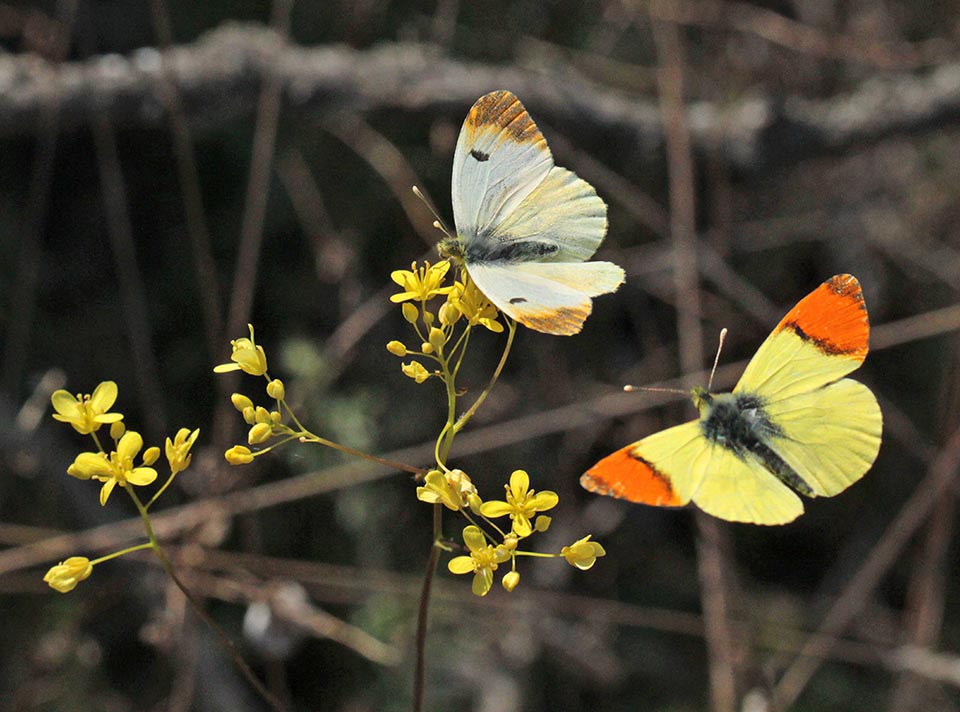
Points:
[(113, 468), (435, 327), (455, 491), (250, 357)]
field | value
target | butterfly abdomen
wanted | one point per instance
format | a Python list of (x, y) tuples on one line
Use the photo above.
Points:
[(507, 251), (738, 422)]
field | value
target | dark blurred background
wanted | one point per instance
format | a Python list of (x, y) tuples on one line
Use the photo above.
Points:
[(172, 170)]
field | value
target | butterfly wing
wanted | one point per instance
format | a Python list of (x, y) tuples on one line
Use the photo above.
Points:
[(550, 297), (826, 428), (680, 464), (823, 338), (829, 436), (564, 214), (500, 158)]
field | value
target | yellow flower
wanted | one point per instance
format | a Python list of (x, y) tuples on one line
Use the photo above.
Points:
[(415, 370), (421, 283), (451, 489), (482, 562), (583, 553), (510, 580), (247, 356), (65, 576), (178, 449), (474, 306), (86, 413), (238, 455), (522, 503), (117, 469)]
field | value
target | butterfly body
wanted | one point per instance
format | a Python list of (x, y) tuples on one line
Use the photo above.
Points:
[(525, 227), (793, 422)]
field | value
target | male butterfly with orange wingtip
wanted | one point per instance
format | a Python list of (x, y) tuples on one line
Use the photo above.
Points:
[(792, 421)]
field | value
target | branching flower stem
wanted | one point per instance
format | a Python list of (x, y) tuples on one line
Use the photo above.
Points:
[(225, 639)]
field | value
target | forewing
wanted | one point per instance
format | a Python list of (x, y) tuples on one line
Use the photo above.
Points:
[(548, 297), (563, 211), (662, 469), (500, 158), (829, 436), (823, 338)]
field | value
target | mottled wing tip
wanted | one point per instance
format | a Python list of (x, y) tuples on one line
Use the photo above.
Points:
[(833, 317), (501, 110), (625, 475)]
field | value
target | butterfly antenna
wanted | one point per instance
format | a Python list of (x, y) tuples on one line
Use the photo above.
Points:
[(716, 359), (631, 389), (438, 221)]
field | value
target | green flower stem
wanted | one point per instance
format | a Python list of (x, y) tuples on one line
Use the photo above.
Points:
[(228, 644), (309, 437), (449, 432), (96, 440), (160, 491), (122, 552), (512, 331), (537, 554), (306, 436)]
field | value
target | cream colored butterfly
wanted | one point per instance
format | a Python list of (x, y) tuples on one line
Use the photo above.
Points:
[(525, 227)]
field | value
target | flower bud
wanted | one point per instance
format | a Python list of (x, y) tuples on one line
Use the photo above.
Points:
[(151, 455), (117, 430), (241, 402), (437, 338), (397, 349), (250, 415), (449, 314), (259, 433), (542, 523), (276, 390), (238, 455), (510, 580), (410, 312)]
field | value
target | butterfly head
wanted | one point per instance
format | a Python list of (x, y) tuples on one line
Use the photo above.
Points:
[(451, 248), (702, 398)]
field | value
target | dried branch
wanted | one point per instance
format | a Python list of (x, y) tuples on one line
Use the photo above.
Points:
[(219, 78)]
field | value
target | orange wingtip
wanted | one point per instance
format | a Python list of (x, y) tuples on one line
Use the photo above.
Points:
[(627, 476), (503, 111), (833, 317)]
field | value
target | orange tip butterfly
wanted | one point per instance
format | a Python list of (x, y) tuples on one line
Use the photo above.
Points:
[(525, 227), (793, 422)]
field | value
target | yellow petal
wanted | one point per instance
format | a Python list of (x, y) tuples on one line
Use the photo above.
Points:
[(461, 565), (104, 396)]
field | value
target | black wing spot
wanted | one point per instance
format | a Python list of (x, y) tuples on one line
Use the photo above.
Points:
[(517, 300), (479, 155)]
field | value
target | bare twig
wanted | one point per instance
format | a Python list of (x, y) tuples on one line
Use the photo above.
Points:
[(710, 554), (219, 77), (778, 29), (207, 280), (850, 602), (134, 300)]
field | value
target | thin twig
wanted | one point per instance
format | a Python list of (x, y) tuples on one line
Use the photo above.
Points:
[(207, 280), (850, 602), (710, 554)]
